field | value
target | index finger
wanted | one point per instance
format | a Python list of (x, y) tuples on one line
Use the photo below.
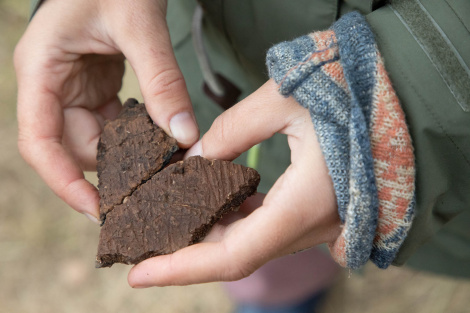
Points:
[(40, 122), (267, 233), (147, 46)]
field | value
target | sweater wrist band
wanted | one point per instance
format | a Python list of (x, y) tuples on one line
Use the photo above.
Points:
[(339, 76)]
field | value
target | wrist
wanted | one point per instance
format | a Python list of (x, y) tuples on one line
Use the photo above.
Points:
[(338, 75)]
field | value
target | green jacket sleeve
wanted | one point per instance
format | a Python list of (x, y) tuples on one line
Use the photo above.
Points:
[(34, 6), (426, 48), (425, 45)]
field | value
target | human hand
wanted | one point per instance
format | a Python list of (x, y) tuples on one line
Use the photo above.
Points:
[(299, 211), (69, 66)]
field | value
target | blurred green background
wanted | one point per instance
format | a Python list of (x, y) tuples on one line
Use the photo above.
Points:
[(47, 250)]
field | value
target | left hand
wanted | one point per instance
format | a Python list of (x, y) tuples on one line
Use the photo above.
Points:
[(299, 211), (69, 66)]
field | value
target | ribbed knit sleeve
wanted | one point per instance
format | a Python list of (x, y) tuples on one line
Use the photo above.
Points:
[(338, 75)]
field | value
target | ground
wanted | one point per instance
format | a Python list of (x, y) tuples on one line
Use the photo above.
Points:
[(47, 250)]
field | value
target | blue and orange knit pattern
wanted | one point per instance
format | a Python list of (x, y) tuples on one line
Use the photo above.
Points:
[(339, 76)]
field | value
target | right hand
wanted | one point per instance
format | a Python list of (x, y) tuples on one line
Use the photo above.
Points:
[(69, 66)]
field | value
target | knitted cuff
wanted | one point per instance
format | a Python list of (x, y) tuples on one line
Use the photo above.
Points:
[(339, 76)]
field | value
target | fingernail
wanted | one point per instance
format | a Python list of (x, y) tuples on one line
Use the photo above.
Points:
[(184, 128), (92, 218), (196, 149)]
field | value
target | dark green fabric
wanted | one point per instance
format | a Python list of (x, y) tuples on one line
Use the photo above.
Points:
[(364, 6), (440, 132), (252, 26), (34, 6), (438, 125), (447, 253), (460, 8), (238, 34)]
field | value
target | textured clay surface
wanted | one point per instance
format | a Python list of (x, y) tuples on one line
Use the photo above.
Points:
[(147, 211), (131, 149), (174, 209)]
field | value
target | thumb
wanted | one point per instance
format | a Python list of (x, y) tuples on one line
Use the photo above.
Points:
[(249, 122), (147, 46)]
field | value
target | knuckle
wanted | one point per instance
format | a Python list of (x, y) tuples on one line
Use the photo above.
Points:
[(239, 270), (166, 83), (238, 266), (222, 134), (223, 127)]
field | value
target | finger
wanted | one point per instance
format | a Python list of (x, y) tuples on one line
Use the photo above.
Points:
[(110, 110), (202, 254), (299, 212), (40, 122), (80, 137), (248, 206), (254, 119), (250, 243), (306, 189), (210, 261), (156, 271), (150, 54), (82, 130), (306, 195), (267, 233), (61, 174), (252, 203)]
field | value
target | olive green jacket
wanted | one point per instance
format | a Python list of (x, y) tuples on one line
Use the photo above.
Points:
[(426, 48)]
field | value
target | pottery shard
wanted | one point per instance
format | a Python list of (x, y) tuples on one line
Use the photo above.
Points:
[(174, 209), (147, 211), (131, 149)]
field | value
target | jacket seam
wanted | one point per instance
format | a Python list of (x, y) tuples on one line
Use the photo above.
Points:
[(458, 16)]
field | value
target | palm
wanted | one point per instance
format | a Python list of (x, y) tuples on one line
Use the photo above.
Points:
[(87, 89)]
